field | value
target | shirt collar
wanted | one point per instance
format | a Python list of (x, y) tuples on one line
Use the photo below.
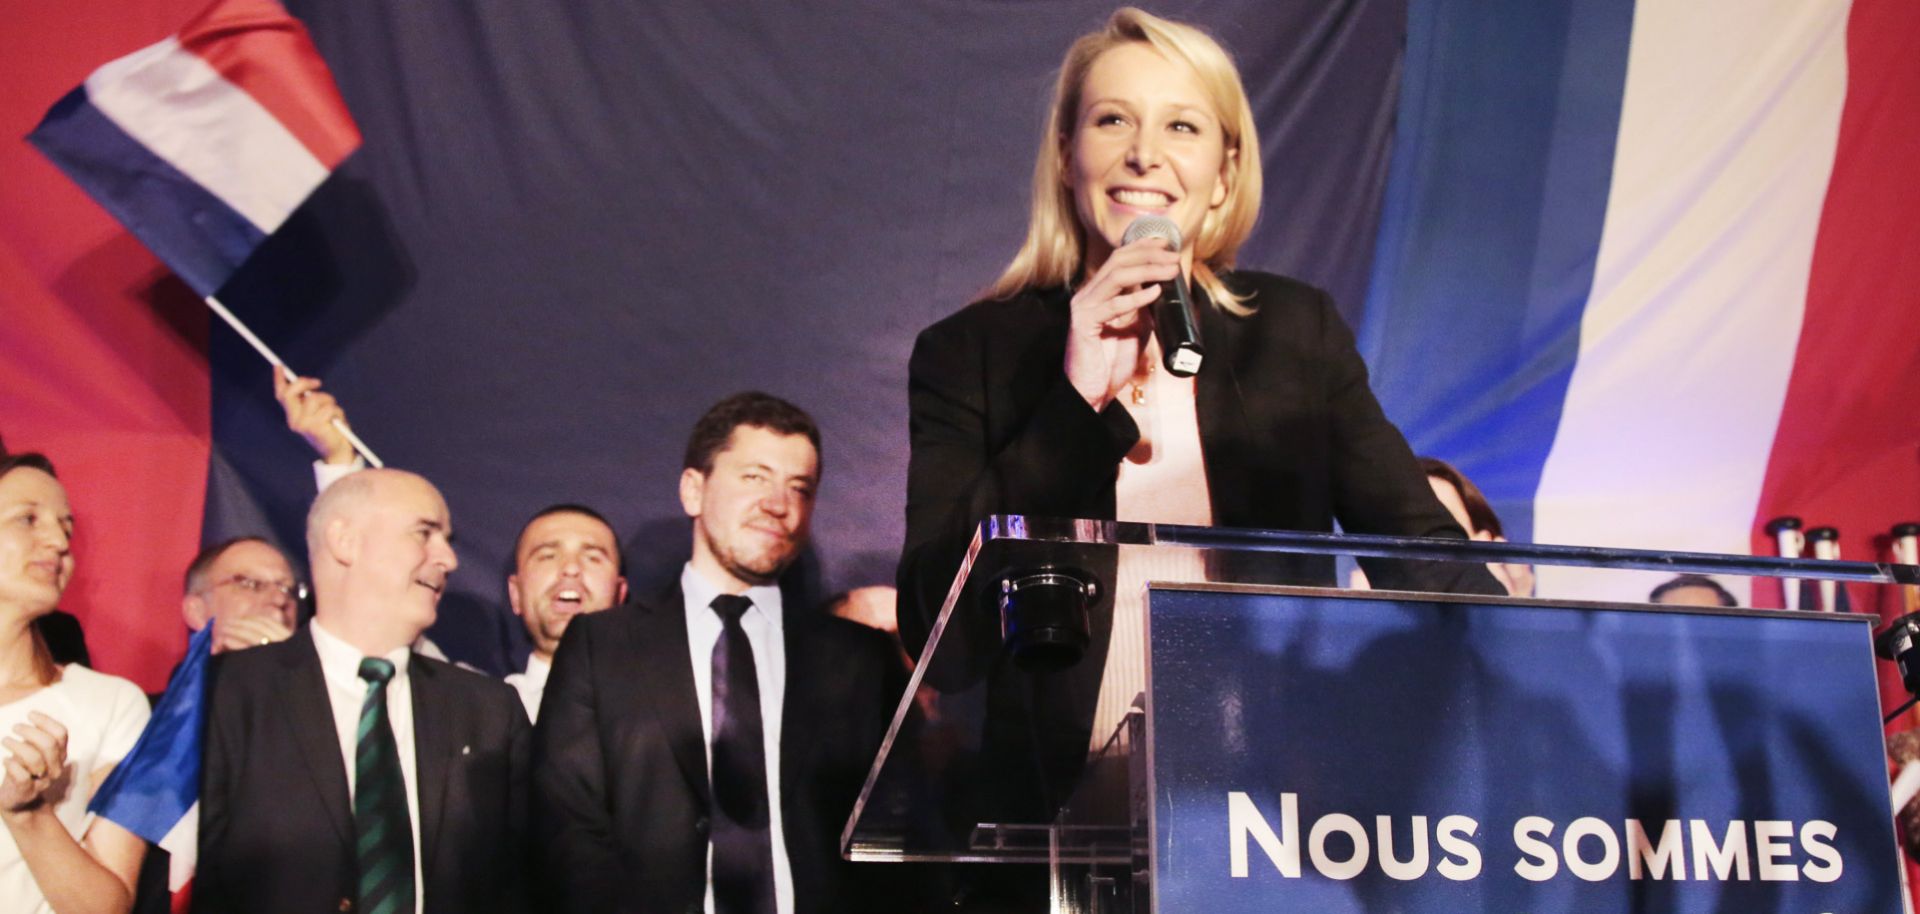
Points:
[(700, 593), (341, 661), (537, 668)]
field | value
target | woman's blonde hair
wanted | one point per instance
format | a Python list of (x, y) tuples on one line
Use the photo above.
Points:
[(1056, 246)]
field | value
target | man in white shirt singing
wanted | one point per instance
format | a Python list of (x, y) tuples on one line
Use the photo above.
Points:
[(566, 563)]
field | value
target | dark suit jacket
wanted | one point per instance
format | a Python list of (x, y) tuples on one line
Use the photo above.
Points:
[(1291, 437), (276, 825), (621, 797)]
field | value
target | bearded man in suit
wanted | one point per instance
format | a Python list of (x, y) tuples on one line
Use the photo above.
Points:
[(700, 751)]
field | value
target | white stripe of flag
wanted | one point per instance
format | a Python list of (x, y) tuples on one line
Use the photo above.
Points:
[(185, 112), (182, 844), (1728, 128)]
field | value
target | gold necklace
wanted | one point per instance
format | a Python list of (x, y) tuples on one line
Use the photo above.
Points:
[(1140, 380)]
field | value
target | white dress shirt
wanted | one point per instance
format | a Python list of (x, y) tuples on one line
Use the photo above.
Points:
[(531, 684), (762, 625), (326, 474), (346, 692)]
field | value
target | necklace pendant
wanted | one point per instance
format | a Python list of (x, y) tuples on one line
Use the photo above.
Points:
[(1139, 396)]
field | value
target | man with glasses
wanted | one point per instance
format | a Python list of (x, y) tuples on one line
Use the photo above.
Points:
[(246, 589)]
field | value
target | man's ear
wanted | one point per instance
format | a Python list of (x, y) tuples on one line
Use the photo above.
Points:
[(619, 591), (196, 611), (342, 541), (513, 593), (693, 488)]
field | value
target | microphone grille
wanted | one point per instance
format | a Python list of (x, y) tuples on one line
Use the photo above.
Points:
[(1152, 226)]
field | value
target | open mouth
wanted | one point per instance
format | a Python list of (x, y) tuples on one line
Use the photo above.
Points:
[(1140, 198), (569, 600)]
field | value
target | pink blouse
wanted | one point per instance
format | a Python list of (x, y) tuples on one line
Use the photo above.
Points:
[(1162, 480)]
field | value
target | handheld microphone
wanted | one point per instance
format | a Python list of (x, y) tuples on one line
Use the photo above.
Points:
[(1173, 316)]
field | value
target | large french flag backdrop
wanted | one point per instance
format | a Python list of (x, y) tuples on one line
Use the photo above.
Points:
[(1646, 271), (1650, 272)]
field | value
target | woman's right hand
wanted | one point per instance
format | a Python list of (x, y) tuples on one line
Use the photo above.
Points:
[(36, 761), (1106, 335)]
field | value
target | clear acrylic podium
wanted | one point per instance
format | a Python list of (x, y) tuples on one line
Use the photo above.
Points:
[(1243, 735)]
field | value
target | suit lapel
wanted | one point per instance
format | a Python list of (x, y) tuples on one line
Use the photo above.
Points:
[(1220, 408), (659, 635), (433, 738), (793, 706), (310, 716)]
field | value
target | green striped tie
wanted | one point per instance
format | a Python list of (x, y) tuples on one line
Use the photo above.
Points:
[(385, 841)]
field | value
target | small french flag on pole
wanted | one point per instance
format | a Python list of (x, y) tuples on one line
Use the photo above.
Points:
[(203, 144), (155, 791)]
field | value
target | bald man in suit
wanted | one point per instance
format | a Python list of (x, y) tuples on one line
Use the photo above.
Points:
[(298, 731)]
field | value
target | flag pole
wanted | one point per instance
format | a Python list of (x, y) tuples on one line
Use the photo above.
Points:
[(260, 346)]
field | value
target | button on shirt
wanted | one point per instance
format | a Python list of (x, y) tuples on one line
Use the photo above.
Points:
[(762, 625), (346, 692)]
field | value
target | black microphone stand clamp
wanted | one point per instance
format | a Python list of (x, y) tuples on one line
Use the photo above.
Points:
[(1899, 644)]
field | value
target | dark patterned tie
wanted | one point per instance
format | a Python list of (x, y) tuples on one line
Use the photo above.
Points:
[(742, 844), (385, 834)]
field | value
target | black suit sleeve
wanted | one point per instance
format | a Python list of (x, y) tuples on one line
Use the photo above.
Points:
[(216, 778), (1062, 459), (519, 802), (1377, 483), (572, 817)]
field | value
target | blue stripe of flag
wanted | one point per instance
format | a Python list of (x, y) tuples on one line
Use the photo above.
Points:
[(1496, 196), (200, 238), (159, 780)]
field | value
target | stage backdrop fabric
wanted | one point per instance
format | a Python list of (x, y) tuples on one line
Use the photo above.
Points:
[(574, 226), (102, 351)]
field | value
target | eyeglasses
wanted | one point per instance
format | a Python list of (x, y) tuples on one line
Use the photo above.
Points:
[(296, 591)]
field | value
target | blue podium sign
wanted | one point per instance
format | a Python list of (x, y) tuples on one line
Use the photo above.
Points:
[(1328, 752)]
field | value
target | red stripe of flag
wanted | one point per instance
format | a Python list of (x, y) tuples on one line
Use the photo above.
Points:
[(257, 46), (1847, 453)]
